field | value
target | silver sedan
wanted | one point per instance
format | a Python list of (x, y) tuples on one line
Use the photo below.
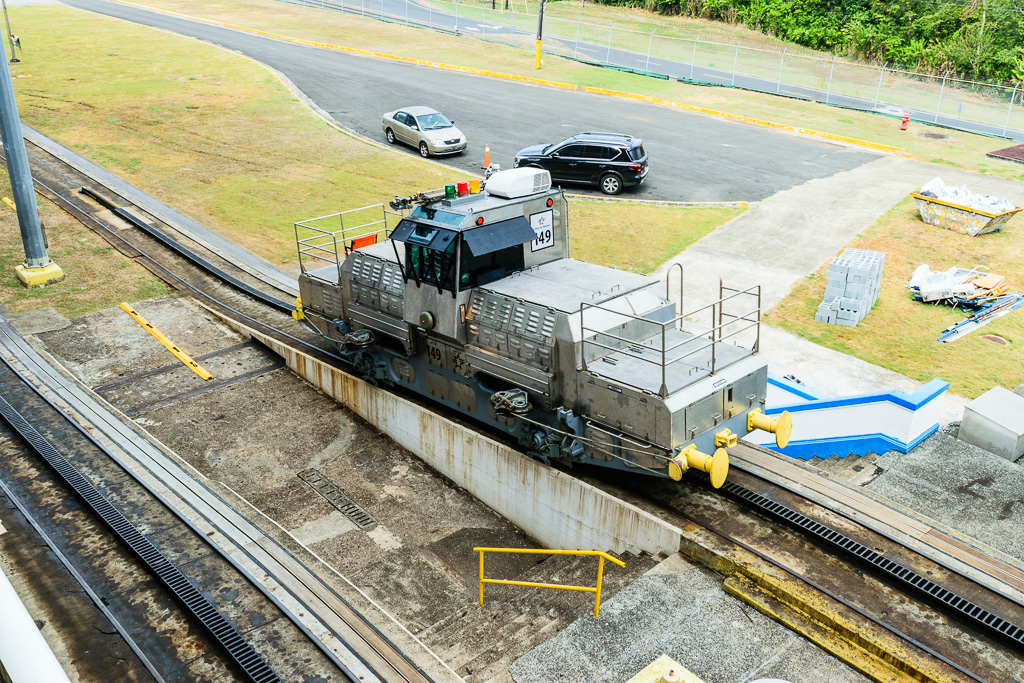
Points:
[(425, 129)]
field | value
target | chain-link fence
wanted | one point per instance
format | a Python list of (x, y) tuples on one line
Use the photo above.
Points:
[(988, 108)]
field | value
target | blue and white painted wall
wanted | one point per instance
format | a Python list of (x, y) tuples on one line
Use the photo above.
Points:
[(853, 424)]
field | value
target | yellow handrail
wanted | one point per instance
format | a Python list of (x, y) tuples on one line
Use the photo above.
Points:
[(596, 590)]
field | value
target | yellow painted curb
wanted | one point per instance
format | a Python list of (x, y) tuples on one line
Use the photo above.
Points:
[(355, 51), (745, 119), (657, 202)]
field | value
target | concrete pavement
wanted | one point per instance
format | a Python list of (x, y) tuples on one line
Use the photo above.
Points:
[(790, 235)]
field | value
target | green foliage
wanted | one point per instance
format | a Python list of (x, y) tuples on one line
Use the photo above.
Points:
[(982, 38)]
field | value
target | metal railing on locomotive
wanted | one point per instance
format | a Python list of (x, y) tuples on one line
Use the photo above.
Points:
[(317, 238), (724, 325)]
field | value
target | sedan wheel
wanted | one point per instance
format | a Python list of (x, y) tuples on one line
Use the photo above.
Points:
[(424, 150), (390, 135), (611, 184)]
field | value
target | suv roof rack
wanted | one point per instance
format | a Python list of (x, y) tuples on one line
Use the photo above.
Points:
[(607, 137)]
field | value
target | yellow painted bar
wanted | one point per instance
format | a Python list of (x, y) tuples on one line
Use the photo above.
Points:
[(536, 60), (171, 346), (541, 551), (481, 578), (530, 584), (9, 202), (596, 590)]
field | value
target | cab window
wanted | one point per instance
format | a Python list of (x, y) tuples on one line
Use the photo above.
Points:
[(476, 271), (432, 267)]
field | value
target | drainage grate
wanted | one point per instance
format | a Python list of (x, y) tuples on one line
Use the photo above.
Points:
[(322, 485), (979, 616), (216, 624)]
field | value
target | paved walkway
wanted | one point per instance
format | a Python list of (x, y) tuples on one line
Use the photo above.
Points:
[(790, 235)]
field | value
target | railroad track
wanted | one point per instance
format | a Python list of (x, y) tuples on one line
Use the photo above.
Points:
[(956, 627), (967, 627), (344, 635), (30, 415)]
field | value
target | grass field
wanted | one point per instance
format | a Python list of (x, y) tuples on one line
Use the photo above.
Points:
[(961, 150), (96, 276), (220, 138), (899, 333)]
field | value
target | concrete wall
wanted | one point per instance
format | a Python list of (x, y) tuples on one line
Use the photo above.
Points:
[(858, 424), (555, 508)]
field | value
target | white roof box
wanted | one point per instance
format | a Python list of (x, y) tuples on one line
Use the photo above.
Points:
[(518, 182)]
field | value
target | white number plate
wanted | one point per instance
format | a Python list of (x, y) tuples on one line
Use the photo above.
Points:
[(543, 227)]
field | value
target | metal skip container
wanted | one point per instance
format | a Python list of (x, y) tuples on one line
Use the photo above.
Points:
[(962, 219)]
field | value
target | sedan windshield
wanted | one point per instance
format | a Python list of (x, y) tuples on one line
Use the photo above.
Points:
[(433, 122)]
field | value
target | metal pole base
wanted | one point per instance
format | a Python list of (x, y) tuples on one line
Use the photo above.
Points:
[(15, 61), (39, 277)]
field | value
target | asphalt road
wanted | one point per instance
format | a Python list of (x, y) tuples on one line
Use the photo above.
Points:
[(494, 29), (693, 157)]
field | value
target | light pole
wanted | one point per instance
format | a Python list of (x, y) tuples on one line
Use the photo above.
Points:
[(540, 33), (10, 36), (37, 270)]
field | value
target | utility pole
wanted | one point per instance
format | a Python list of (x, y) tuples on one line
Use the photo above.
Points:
[(540, 33), (37, 270), (10, 36)]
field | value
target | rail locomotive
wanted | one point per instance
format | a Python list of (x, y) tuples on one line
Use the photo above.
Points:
[(468, 295)]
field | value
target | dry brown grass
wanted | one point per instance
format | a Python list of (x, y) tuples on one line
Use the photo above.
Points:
[(900, 333)]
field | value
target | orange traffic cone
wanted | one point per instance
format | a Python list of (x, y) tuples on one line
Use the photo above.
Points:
[(487, 156)]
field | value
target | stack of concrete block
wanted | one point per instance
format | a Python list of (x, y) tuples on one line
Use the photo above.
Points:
[(854, 280)]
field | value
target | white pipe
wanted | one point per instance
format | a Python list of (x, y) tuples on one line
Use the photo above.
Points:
[(24, 654)]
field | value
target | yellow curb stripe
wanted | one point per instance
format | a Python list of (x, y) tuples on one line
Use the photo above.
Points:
[(356, 51), (658, 202), (744, 119), (171, 346)]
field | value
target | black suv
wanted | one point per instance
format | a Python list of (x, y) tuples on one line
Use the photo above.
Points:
[(608, 160)]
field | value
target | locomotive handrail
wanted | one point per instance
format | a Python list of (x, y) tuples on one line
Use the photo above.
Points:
[(714, 334), (326, 240)]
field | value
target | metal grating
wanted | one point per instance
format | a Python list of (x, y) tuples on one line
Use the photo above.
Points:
[(216, 624), (966, 609), (336, 497)]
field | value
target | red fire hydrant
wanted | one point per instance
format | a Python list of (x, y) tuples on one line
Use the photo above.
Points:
[(904, 120)]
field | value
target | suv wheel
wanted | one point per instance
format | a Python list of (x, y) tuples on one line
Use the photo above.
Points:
[(390, 135), (424, 150), (611, 183)]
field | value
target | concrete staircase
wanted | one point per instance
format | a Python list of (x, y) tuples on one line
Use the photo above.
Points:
[(853, 470)]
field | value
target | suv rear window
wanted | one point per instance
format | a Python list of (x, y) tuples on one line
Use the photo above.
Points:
[(637, 153)]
